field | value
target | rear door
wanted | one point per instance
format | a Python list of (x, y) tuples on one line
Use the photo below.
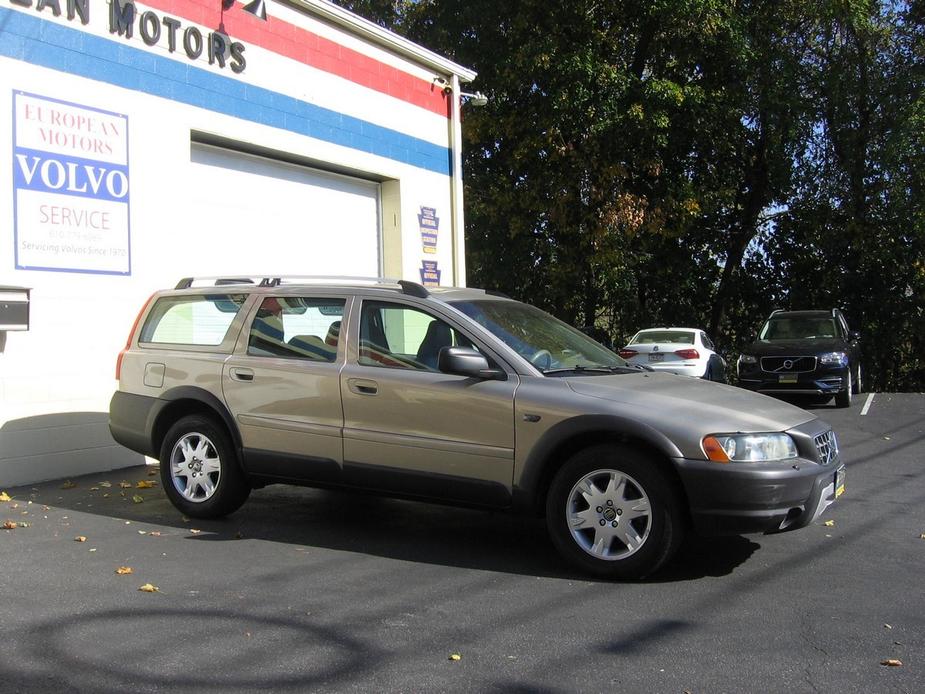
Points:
[(410, 429), (282, 387)]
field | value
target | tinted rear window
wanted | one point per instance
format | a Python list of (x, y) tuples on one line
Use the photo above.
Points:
[(191, 320), (677, 337)]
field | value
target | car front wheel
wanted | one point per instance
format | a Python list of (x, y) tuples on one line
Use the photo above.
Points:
[(199, 469), (611, 512)]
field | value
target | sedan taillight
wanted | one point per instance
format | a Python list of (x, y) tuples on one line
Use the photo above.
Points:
[(688, 353), (628, 353)]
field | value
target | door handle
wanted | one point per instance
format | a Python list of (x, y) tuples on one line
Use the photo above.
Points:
[(238, 374), (362, 386)]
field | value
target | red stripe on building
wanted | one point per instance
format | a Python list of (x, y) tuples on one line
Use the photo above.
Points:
[(311, 49)]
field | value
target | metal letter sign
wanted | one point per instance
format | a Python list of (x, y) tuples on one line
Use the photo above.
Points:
[(70, 187)]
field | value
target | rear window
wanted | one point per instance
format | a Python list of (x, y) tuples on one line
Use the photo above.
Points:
[(658, 337), (191, 320)]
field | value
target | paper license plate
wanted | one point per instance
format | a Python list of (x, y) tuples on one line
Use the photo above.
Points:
[(656, 357), (839, 481), (787, 378)]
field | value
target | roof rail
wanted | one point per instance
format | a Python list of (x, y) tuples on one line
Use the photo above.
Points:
[(777, 310), (408, 287)]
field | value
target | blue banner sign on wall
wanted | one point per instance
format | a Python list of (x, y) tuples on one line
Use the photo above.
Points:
[(70, 187), (430, 273), (430, 226)]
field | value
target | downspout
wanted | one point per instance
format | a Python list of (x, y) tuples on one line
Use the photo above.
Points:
[(457, 237)]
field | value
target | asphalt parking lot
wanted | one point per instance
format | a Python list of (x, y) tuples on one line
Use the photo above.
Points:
[(310, 590)]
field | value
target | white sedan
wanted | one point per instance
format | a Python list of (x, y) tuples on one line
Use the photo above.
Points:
[(684, 351)]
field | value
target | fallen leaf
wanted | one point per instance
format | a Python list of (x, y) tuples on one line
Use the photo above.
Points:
[(922, 536), (195, 531), (106, 484), (4, 496), (829, 524), (124, 570), (80, 538), (137, 498), (142, 532), (148, 588), (892, 662), (94, 489), (145, 484), (23, 525), (93, 549), (105, 496), (68, 485), (887, 626), (155, 533), (125, 485), (455, 656), (886, 438), (10, 525)]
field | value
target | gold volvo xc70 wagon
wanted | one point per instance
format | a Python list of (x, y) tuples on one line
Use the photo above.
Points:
[(459, 396)]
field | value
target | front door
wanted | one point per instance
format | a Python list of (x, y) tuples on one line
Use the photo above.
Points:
[(411, 429)]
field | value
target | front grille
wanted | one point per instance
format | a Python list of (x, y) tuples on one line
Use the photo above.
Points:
[(790, 365), (826, 447)]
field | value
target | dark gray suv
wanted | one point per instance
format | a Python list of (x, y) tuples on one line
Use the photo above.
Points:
[(458, 396)]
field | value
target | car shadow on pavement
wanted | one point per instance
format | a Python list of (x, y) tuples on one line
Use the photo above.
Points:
[(366, 524)]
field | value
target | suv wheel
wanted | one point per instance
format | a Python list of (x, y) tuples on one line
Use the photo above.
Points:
[(611, 512), (199, 469), (843, 399)]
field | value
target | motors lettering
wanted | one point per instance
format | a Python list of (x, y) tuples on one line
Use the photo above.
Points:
[(125, 18)]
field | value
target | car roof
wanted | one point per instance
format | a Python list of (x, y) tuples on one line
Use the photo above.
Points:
[(811, 313), (689, 330), (297, 284)]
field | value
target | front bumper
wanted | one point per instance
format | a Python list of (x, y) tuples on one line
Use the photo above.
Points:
[(736, 498), (822, 381)]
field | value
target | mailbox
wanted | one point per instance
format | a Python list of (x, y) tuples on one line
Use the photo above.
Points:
[(14, 308)]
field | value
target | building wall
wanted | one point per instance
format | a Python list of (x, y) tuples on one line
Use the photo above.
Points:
[(82, 102)]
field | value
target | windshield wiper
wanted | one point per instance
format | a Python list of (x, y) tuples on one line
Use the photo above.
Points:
[(578, 368)]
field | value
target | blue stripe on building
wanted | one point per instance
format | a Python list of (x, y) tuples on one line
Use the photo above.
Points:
[(48, 44)]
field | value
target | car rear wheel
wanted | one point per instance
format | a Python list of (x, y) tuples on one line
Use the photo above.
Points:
[(199, 469), (843, 399), (611, 512)]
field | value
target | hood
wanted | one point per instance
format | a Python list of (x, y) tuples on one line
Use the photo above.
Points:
[(690, 407), (787, 348)]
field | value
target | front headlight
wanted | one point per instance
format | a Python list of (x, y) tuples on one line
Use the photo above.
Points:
[(837, 358), (749, 448), (747, 359)]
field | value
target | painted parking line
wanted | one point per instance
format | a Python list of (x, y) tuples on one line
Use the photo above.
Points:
[(870, 399)]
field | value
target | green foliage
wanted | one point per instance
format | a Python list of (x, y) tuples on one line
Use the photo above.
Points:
[(696, 162)]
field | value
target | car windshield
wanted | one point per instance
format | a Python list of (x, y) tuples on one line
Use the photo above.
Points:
[(657, 337), (793, 328), (546, 342)]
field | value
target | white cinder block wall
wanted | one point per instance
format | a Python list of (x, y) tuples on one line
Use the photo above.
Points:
[(312, 143)]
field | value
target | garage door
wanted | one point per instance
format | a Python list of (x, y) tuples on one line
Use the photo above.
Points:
[(261, 215)]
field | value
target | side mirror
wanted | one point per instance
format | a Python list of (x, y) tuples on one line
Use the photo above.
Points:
[(465, 361)]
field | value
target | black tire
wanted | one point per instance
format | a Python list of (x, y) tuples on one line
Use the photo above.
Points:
[(660, 532), (217, 469), (843, 398)]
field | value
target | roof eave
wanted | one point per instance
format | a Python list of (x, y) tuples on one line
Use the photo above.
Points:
[(374, 33)]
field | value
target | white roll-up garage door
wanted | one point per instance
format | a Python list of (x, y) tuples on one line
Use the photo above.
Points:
[(261, 215)]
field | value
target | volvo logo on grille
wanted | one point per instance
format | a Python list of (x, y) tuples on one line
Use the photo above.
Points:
[(788, 364)]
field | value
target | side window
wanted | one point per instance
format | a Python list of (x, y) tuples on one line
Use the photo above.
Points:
[(297, 327), (707, 342), (194, 319), (402, 337)]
